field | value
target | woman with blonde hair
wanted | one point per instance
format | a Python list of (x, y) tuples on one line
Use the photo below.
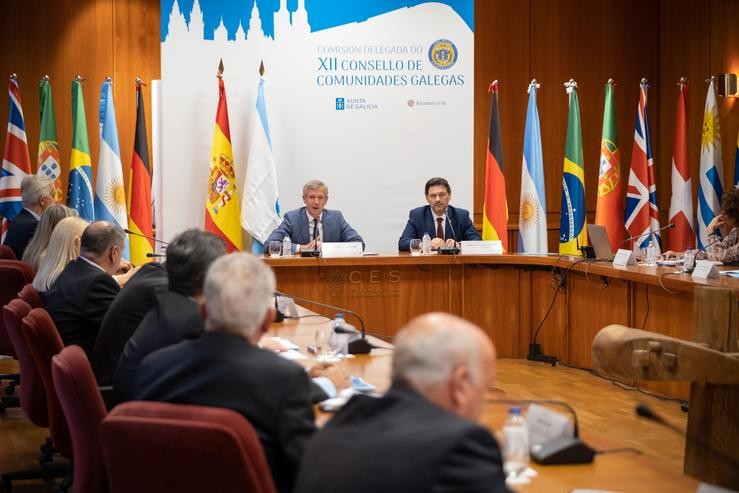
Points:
[(64, 246), (49, 219)]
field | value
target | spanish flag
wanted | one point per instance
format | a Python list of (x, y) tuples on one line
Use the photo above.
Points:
[(140, 213), (222, 214)]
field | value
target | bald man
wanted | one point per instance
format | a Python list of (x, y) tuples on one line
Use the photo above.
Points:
[(422, 436)]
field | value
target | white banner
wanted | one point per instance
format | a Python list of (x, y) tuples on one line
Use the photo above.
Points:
[(371, 102)]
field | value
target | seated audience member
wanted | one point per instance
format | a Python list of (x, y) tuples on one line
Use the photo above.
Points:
[(40, 240), (445, 224), (174, 313), (225, 368), (37, 193), (63, 247), (311, 225), (421, 436), (81, 295), (724, 248), (123, 317)]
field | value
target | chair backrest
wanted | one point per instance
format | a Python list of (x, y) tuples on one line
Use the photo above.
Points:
[(14, 274), (84, 409), (155, 446), (7, 253), (31, 296), (43, 341), (32, 393)]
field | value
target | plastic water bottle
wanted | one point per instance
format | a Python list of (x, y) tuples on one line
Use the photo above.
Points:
[(516, 445), (287, 247), (651, 259), (426, 244), (689, 260)]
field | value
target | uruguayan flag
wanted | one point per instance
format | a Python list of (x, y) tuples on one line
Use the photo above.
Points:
[(710, 189)]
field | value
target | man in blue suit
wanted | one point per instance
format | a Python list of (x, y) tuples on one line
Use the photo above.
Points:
[(311, 225), (445, 224)]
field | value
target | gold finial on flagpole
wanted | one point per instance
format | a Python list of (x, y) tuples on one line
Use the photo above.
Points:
[(261, 68), (220, 68)]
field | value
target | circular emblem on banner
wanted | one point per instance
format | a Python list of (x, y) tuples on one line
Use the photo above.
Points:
[(411, 103), (443, 54)]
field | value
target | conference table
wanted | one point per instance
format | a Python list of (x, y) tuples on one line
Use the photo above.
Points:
[(627, 471), (559, 302)]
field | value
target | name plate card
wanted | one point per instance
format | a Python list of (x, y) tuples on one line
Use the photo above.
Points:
[(484, 247), (545, 424), (624, 257), (705, 269), (338, 250)]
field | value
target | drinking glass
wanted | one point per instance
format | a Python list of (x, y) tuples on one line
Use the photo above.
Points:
[(275, 248), (323, 339), (415, 247)]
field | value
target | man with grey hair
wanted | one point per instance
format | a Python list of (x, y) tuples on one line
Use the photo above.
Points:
[(37, 193), (421, 436), (226, 368), (81, 295), (311, 225)]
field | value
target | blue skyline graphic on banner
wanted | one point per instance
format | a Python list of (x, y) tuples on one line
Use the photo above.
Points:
[(322, 14)]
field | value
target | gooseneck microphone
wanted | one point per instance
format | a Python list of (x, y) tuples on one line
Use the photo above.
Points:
[(156, 255), (630, 238), (453, 250), (151, 238), (357, 346), (558, 450)]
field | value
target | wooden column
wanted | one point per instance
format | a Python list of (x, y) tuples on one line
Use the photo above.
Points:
[(712, 442)]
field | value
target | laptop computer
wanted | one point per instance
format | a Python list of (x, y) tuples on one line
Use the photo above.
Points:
[(599, 240)]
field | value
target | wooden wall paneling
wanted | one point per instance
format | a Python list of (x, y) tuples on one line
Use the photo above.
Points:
[(724, 58), (684, 48), (594, 302), (492, 301), (551, 336), (502, 53)]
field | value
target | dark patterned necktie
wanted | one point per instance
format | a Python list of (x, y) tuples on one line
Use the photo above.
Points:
[(315, 228), (439, 229)]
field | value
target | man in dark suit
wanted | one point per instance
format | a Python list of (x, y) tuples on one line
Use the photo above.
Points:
[(83, 292), (124, 315), (225, 367), (421, 436), (173, 314), (445, 224), (311, 225), (37, 193)]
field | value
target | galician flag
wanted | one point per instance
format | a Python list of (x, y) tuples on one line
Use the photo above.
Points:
[(16, 162), (110, 195), (495, 206), (641, 215), (609, 210), (572, 231), (260, 206), (532, 217), (49, 158), (682, 236), (222, 216), (710, 187), (79, 189), (140, 217)]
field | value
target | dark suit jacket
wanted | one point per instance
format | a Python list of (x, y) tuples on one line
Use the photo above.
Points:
[(172, 318), (78, 301), (20, 232), (225, 370), (400, 442), (124, 315), (421, 220), (295, 225)]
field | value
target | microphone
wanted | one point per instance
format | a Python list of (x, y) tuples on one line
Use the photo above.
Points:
[(151, 238), (645, 411), (630, 238), (445, 250), (357, 346), (558, 450), (155, 255)]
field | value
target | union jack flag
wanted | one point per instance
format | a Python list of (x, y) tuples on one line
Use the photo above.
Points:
[(16, 162), (641, 216)]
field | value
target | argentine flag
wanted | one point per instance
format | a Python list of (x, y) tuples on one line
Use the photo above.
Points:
[(110, 196), (260, 205), (532, 218)]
